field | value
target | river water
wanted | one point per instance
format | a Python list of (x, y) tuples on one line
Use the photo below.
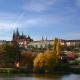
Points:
[(40, 77)]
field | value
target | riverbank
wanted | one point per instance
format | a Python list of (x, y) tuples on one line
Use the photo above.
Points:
[(30, 71), (39, 76)]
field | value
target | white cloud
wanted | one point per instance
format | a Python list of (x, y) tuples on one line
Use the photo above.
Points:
[(43, 21), (39, 6), (9, 21), (8, 26), (32, 21)]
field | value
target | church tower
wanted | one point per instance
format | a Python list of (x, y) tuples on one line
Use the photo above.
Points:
[(14, 36), (17, 33)]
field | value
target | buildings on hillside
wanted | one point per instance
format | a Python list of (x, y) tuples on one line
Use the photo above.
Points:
[(26, 41), (41, 43), (45, 43), (72, 42)]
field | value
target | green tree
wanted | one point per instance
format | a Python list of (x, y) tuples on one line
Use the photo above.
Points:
[(9, 55)]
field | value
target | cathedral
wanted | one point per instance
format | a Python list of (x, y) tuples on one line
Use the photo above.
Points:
[(22, 40)]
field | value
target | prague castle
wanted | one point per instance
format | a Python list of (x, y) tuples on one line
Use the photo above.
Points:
[(25, 41), (22, 40)]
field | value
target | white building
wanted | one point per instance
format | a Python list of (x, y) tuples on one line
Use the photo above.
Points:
[(45, 43)]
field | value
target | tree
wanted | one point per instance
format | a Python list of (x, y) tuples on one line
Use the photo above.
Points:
[(27, 59), (2, 50), (48, 60), (57, 48), (50, 46), (45, 62), (39, 63), (9, 55)]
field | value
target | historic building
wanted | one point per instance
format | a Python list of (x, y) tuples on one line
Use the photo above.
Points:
[(25, 41), (3, 42), (22, 40), (44, 43), (41, 43), (73, 42)]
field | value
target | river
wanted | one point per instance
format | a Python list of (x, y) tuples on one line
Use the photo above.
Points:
[(40, 77)]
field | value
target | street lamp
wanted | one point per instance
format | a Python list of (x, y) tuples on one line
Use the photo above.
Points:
[(17, 65)]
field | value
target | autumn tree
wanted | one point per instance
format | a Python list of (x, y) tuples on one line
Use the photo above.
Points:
[(48, 60), (39, 63), (56, 48), (27, 59)]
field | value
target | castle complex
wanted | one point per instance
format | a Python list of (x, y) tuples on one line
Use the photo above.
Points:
[(22, 40), (26, 41)]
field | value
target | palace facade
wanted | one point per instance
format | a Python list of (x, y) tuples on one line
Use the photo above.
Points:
[(46, 43)]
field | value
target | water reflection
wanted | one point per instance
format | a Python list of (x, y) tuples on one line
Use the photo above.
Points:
[(48, 77), (40, 77), (71, 77)]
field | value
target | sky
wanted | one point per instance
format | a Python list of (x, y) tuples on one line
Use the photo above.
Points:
[(37, 18)]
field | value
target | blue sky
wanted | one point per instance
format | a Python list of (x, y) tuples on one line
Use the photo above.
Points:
[(37, 18)]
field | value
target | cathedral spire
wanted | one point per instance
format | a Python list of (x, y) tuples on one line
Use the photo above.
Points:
[(17, 33), (46, 38), (42, 38), (14, 35)]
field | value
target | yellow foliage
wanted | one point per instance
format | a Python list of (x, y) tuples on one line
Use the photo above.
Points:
[(39, 60), (49, 59), (2, 50), (57, 48)]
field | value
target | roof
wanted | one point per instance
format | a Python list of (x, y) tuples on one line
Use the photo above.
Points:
[(22, 37), (72, 40)]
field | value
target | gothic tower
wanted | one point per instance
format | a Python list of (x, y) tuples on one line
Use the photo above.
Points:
[(14, 36), (17, 33)]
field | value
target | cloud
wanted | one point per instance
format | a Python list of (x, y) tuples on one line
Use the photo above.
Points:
[(38, 6), (78, 3), (43, 21), (8, 26), (5, 16), (9, 21), (19, 18)]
